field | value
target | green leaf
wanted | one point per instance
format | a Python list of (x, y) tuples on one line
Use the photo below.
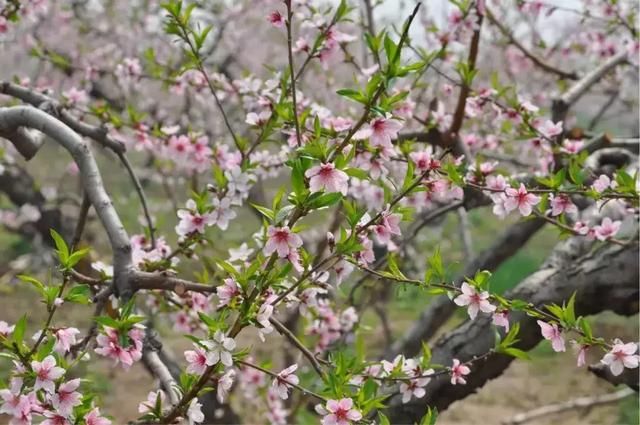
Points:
[(107, 321), (357, 173), (517, 353), (426, 353), (264, 211), (353, 95), (570, 311), (325, 200), (430, 417), (19, 329), (61, 247), (75, 257), (45, 349), (32, 280), (576, 173), (283, 213), (390, 49), (79, 294), (383, 419)]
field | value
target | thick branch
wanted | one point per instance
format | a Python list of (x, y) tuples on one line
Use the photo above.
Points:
[(606, 279), (27, 143), (99, 134), (163, 281), (574, 404), (562, 104), (458, 116), (26, 116), (441, 308), (628, 377), (533, 58)]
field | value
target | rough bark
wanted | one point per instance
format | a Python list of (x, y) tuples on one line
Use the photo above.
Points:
[(14, 117), (604, 278), (441, 308)]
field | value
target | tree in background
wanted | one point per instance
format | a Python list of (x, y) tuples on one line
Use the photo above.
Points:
[(345, 139)]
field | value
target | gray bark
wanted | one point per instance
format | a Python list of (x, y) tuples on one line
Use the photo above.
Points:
[(603, 279)]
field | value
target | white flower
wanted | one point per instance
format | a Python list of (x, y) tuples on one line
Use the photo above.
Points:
[(194, 413), (219, 349)]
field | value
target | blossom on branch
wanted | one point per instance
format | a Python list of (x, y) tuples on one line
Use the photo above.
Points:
[(476, 301)]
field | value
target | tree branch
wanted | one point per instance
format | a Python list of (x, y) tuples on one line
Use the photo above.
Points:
[(536, 61), (26, 116), (605, 279), (441, 308), (575, 404)]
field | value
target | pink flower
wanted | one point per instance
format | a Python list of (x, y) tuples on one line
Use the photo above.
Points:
[(75, 96), (389, 225), (549, 130), (197, 360), (264, 314), (338, 412), (562, 204), (109, 346), (5, 329), (553, 334), (94, 418), (607, 229), (258, 119), (54, 418), (222, 213), (366, 255), (326, 177), (224, 385), (227, 292), (281, 240), (342, 269), (26, 404), (46, 372), (276, 19), (414, 388), (380, 132), (581, 228), (572, 146), (621, 355), (67, 397), (501, 318), (602, 183), (65, 338), (219, 349), (11, 397), (520, 199), (191, 221), (476, 301), (424, 161), (582, 351), (282, 383), (458, 371)]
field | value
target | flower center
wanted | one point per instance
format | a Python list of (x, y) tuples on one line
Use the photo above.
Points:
[(281, 236), (341, 414)]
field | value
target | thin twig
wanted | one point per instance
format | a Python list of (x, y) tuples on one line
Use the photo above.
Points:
[(141, 196), (284, 331), (292, 75), (536, 61), (275, 376)]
